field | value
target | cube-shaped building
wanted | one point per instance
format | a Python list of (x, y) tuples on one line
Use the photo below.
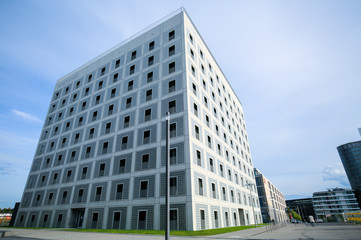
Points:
[(100, 160)]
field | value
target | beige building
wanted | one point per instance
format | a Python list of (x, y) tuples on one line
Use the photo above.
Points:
[(272, 201)]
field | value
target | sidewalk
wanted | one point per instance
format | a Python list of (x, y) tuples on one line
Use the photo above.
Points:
[(324, 231)]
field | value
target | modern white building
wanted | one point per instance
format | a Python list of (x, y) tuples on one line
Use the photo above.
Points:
[(272, 200), (334, 202), (100, 160)]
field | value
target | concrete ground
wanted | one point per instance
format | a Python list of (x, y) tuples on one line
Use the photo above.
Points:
[(323, 231)]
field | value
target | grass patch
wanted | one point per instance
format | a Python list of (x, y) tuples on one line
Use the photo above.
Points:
[(207, 232)]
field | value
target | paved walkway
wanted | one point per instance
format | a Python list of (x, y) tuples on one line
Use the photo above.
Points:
[(324, 231)]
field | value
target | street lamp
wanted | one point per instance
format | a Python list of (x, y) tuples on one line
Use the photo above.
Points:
[(250, 193), (167, 173)]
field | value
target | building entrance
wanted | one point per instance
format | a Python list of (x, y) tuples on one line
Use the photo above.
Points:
[(78, 217)]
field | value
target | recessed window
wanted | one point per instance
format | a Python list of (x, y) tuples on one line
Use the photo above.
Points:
[(171, 35), (134, 55), (151, 46), (147, 115), (110, 109), (87, 152), (90, 77), (117, 63), (192, 53), (121, 166), (146, 136), (214, 194), (131, 69), (84, 172), (191, 38), (200, 186), (143, 189), (128, 103), (211, 165), (149, 77), (112, 93), (126, 121), (124, 142), (171, 86), (100, 85), (196, 130), (97, 99), (199, 158), (172, 107), (173, 130), (194, 87), (195, 109), (193, 70), (115, 77), (173, 186), (119, 193), (130, 85), (95, 114), (148, 95), (200, 51), (91, 133), (145, 161), (150, 60), (171, 67), (171, 50), (102, 72), (107, 127), (102, 168), (173, 156), (209, 140), (98, 193)]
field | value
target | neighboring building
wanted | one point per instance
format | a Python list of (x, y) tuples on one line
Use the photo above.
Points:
[(350, 155), (100, 160), (272, 201), (303, 206), (334, 202)]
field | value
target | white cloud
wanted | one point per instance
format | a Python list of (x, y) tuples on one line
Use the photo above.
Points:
[(26, 116), (335, 173)]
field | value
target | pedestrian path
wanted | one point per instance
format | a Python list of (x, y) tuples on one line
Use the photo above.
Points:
[(324, 231)]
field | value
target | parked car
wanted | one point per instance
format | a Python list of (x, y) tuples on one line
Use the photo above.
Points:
[(319, 220)]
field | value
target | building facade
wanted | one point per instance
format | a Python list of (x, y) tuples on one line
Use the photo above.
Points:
[(272, 201), (100, 160), (350, 154), (303, 206), (334, 202)]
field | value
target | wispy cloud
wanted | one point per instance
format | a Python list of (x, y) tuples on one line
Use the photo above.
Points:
[(26, 116), (335, 173)]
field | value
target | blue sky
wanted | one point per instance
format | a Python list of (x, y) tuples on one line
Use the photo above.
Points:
[(295, 65)]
